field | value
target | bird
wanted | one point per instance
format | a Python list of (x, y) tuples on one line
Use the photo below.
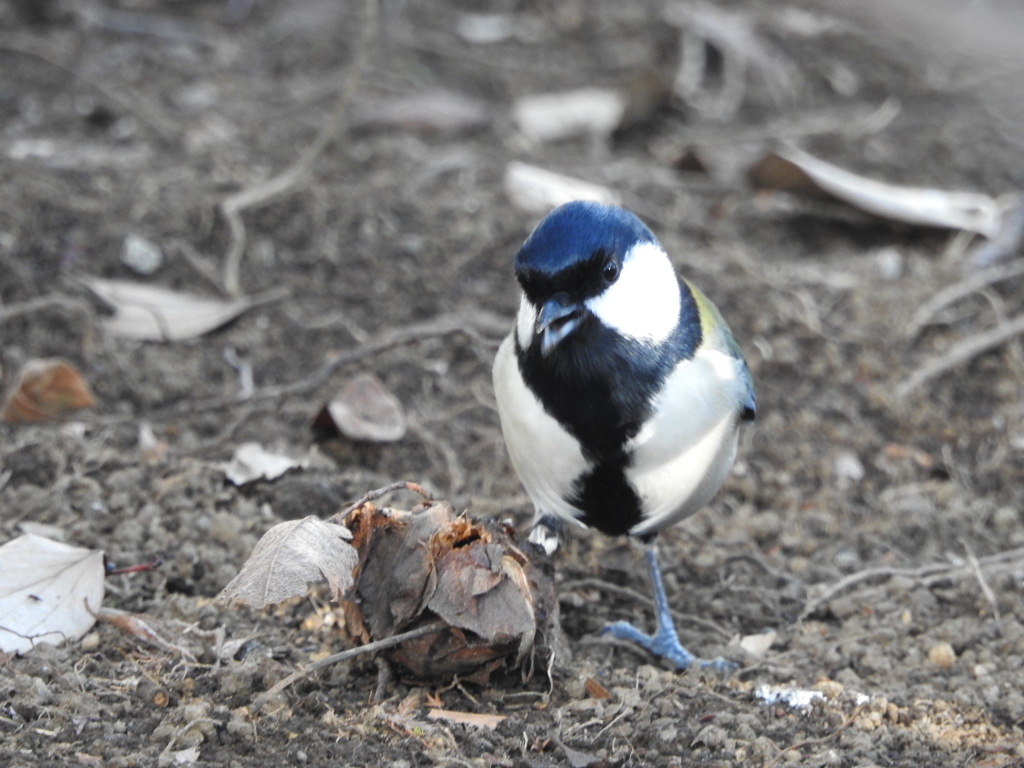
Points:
[(621, 391)]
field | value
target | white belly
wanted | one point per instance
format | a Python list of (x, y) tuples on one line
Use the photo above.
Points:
[(546, 457)]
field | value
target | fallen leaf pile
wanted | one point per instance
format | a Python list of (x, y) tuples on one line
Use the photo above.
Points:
[(409, 569)]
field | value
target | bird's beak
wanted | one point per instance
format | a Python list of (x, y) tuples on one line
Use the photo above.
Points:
[(557, 319)]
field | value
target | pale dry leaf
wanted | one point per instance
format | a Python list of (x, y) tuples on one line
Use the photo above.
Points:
[(441, 112), (290, 556), (251, 461), (758, 645), (794, 170), (48, 592), (366, 410), (151, 313), (466, 718), (536, 190), (556, 116)]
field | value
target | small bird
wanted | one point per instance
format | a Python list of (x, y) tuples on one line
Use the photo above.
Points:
[(621, 391)]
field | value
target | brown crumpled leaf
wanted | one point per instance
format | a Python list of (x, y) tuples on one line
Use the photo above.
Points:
[(288, 557), (365, 410), (430, 563), (47, 389)]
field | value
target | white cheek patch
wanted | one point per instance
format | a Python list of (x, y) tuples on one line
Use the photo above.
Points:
[(644, 303), (526, 321)]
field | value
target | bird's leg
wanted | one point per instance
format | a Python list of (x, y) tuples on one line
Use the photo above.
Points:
[(664, 642)]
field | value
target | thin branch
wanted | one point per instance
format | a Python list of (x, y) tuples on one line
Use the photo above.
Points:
[(286, 181), (146, 111), (957, 291), (637, 597), (960, 353), (379, 645), (57, 300), (983, 582), (443, 325), (914, 573), (377, 493), (823, 740)]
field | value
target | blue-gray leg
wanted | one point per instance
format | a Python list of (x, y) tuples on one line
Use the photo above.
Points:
[(664, 642)]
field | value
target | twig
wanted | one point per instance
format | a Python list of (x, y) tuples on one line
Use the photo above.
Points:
[(961, 352), (913, 573), (959, 290), (284, 182), (377, 493), (185, 729), (985, 588), (632, 594), (147, 112), (822, 740), (378, 645), (58, 300), (443, 325)]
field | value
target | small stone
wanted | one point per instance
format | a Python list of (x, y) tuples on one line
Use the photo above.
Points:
[(141, 255), (224, 527), (792, 756), (890, 263), (1005, 520), (942, 655), (90, 642), (830, 688), (711, 736)]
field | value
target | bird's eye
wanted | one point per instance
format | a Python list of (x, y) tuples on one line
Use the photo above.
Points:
[(610, 273)]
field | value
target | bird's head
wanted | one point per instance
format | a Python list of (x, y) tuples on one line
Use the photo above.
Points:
[(586, 261)]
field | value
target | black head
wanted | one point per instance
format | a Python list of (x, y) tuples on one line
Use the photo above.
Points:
[(577, 250)]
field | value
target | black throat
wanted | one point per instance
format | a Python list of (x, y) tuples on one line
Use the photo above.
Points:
[(599, 386)]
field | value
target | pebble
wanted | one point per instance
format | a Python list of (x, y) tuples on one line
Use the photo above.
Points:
[(942, 655), (142, 256)]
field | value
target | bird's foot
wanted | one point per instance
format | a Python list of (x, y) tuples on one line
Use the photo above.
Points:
[(665, 643)]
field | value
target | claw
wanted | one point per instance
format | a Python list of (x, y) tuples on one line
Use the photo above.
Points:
[(664, 642)]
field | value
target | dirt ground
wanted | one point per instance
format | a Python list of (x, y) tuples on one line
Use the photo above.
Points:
[(880, 536)]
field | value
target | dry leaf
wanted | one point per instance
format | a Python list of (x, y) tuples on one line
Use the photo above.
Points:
[(486, 28), (536, 190), (793, 170), (466, 718), (152, 313), (595, 690), (365, 410), (47, 389), (580, 759), (556, 116), (48, 592), (431, 112), (251, 461), (758, 645), (288, 557), (432, 563)]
